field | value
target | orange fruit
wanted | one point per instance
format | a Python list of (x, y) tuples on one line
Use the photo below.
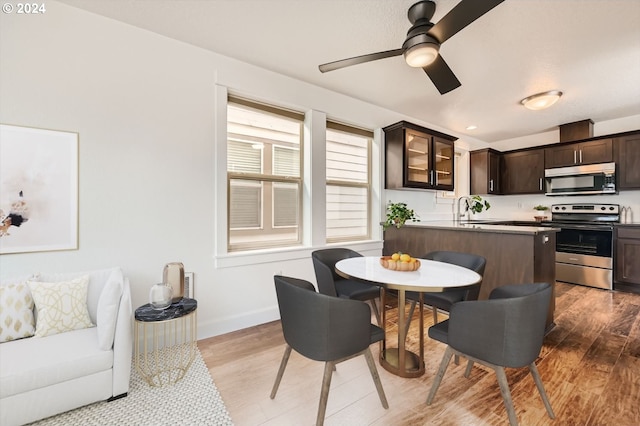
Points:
[(405, 257), (395, 256)]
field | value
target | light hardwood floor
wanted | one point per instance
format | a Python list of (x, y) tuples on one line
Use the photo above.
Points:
[(590, 367)]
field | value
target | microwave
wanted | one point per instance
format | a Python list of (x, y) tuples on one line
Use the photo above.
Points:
[(591, 179)]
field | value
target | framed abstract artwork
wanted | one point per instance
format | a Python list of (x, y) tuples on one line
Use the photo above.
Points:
[(38, 190)]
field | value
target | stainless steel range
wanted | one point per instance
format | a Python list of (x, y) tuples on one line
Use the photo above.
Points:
[(584, 245)]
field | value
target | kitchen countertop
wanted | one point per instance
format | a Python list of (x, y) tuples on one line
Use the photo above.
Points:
[(482, 226)]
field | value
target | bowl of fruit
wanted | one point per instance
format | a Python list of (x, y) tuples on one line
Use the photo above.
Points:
[(400, 262)]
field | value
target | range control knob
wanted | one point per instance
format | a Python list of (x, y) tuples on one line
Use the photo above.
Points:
[(612, 208), (603, 208)]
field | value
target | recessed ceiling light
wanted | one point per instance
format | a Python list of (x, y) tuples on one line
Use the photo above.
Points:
[(472, 127), (541, 100)]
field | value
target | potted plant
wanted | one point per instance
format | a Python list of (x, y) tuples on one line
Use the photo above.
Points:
[(398, 214), (542, 212), (476, 204)]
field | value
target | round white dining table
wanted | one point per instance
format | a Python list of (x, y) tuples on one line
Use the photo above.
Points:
[(432, 277)]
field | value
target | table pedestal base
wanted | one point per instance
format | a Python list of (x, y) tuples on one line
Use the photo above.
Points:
[(413, 365)]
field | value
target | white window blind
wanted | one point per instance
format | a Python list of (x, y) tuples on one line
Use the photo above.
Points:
[(348, 183)]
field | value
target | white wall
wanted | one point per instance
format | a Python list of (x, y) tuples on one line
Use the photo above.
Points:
[(146, 109)]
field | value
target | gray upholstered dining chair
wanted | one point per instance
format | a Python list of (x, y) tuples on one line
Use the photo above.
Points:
[(446, 299), (325, 328), (505, 331), (332, 284)]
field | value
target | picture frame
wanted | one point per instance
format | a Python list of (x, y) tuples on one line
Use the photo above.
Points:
[(38, 190)]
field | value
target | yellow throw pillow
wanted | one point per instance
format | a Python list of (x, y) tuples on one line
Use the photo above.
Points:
[(16, 312), (61, 306)]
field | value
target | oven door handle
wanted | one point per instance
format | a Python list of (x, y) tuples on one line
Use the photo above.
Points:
[(586, 227)]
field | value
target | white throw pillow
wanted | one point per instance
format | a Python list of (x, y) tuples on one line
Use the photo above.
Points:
[(16, 312), (108, 310), (62, 306)]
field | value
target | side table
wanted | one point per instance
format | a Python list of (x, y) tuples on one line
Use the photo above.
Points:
[(165, 341)]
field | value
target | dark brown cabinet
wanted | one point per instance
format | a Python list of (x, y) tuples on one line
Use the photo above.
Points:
[(417, 157), (523, 172), (485, 171), (576, 154), (627, 156), (627, 266)]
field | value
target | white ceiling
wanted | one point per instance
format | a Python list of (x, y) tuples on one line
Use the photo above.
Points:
[(589, 49)]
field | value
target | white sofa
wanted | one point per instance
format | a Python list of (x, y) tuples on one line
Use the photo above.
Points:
[(44, 376)]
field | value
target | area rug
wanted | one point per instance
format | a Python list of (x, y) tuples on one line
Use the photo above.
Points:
[(194, 400)]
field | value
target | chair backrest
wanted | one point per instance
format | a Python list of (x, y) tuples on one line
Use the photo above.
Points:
[(324, 264), (507, 330), (321, 327), (466, 260)]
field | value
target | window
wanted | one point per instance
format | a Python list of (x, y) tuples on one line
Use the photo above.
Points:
[(264, 175), (348, 183)]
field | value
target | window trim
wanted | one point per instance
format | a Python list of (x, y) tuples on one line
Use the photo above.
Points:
[(261, 177)]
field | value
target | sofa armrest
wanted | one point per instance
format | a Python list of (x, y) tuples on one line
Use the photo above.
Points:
[(123, 343)]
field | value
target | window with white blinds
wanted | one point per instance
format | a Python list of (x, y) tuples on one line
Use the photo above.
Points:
[(264, 175), (348, 183)]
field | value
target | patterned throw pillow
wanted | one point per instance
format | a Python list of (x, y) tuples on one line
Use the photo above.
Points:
[(16, 312), (61, 306)]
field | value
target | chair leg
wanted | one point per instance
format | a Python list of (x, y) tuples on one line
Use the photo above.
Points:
[(376, 377), (435, 315), (324, 394), (283, 365), (467, 371), (506, 395), (443, 368), (543, 394), (412, 309), (376, 311)]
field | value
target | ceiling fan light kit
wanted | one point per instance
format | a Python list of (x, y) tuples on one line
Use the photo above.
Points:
[(542, 100), (422, 54), (421, 48)]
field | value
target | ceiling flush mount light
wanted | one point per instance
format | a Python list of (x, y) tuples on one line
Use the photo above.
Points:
[(422, 54), (541, 100), (472, 127)]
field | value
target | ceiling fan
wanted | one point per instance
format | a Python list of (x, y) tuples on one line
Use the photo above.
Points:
[(422, 45)]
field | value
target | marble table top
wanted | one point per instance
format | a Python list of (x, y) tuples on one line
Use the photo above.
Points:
[(184, 306)]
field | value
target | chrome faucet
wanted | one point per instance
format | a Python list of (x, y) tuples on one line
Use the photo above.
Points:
[(459, 215)]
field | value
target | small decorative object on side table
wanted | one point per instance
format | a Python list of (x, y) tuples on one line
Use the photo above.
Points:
[(165, 341)]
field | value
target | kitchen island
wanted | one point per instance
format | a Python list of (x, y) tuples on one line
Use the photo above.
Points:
[(514, 254)]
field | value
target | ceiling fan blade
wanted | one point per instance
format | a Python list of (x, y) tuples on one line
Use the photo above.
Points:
[(441, 75), (460, 16), (331, 66)]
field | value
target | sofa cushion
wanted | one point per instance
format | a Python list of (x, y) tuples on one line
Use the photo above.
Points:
[(62, 306), (68, 356), (97, 280), (16, 312), (107, 313)]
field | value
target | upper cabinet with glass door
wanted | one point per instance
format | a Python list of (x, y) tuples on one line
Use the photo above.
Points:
[(417, 157)]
